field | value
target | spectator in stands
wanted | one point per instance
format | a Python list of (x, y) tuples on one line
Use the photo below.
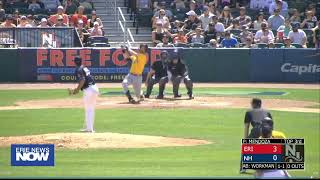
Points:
[(245, 34), (210, 33), (180, 38), (192, 21), (175, 27), (194, 7), (243, 18), (96, 30), (60, 12), (8, 23), (295, 16), (226, 17), (271, 45), (257, 4), (163, 6), (34, 5), (213, 44), (24, 22), (260, 19), (287, 43), (228, 41), (79, 16), (213, 9), (316, 35), (60, 22), (298, 36), (158, 33), (225, 3), (283, 30), (276, 20), (2, 15), (205, 18), (51, 5), (219, 27), (83, 33), (264, 35), (1, 5), (235, 25), (178, 4), (165, 42), (87, 4), (31, 20), (310, 21), (249, 43), (94, 18), (197, 37), (16, 17), (281, 5), (70, 7), (43, 23), (161, 18)]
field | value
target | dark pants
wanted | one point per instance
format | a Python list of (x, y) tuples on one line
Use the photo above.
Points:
[(162, 84), (176, 80)]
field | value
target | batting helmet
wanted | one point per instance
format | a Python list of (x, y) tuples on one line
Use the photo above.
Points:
[(78, 60)]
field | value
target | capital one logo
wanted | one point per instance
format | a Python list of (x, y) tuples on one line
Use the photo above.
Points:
[(32, 155), (300, 69)]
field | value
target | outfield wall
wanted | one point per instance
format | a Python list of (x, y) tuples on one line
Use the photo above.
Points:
[(205, 65)]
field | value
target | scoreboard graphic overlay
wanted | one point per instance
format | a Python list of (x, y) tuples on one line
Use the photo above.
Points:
[(272, 154)]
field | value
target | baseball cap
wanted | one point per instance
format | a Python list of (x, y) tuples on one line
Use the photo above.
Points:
[(242, 8), (96, 23), (23, 17), (60, 7), (191, 13), (43, 20), (226, 8), (205, 8), (9, 17)]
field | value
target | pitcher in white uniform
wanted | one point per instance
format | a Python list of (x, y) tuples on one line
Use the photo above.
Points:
[(90, 93)]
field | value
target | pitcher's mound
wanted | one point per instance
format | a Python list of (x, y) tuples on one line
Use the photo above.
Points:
[(100, 140)]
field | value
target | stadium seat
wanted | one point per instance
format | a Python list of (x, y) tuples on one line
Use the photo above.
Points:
[(296, 45), (278, 45), (144, 16), (197, 45), (181, 45), (262, 45), (98, 41)]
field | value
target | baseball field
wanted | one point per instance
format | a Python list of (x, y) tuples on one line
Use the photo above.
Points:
[(169, 137)]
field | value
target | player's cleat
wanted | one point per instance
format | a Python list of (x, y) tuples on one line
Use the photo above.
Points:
[(190, 96), (87, 131), (146, 96), (132, 101), (177, 96), (142, 98), (159, 97)]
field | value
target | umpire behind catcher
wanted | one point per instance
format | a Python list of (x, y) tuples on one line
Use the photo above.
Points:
[(158, 74), (179, 73), (255, 116)]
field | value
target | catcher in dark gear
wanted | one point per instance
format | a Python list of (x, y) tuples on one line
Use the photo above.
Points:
[(179, 73), (158, 74)]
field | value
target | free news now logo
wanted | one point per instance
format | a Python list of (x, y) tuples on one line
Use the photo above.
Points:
[(32, 155)]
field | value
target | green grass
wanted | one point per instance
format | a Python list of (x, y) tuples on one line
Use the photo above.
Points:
[(223, 127), (9, 97)]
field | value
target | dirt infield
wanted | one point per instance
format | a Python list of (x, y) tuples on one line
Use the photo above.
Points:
[(197, 103), (118, 85), (100, 140)]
